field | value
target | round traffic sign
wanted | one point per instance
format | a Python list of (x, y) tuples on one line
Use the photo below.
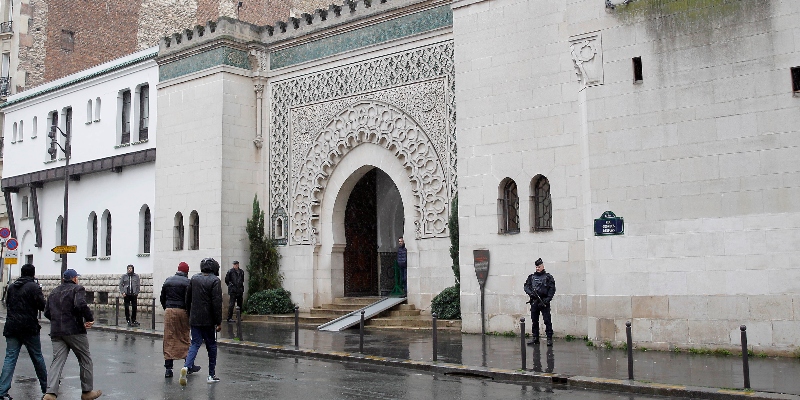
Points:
[(5, 232), (12, 244)]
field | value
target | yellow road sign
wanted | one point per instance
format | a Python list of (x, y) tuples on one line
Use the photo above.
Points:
[(10, 260), (65, 249)]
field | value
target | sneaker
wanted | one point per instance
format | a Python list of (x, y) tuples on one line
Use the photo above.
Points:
[(194, 369), (212, 379), (91, 395), (168, 373), (184, 372)]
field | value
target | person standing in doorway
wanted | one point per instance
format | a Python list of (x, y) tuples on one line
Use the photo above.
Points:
[(176, 319), (541, 288), (129, 289), (70, 317), (204, 303), (402, 263), (25, 300), (235, 281)]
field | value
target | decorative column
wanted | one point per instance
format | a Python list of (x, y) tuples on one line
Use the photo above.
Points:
[(259, 140)]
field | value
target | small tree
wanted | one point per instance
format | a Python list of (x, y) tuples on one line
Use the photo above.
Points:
[(452, 225), (264, 265)]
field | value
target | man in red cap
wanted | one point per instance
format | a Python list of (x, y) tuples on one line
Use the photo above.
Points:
[(176, 319)]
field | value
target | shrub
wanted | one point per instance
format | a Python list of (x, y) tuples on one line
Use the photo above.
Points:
[(447, 304), (270, 301)]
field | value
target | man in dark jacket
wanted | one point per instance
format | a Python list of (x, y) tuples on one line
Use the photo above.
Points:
[(402, 263), (176, 319), (24, 300), (541, 288), (129, 289), (69, 317), (204, 303), (235, 281)]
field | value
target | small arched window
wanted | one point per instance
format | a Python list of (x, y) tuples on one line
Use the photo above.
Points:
[(178, 232), (34, 128), (92, 234), (89, 113), (541, 204), (105, 232), (145, 229), (58, 236), (21, 132), (508, 207), (194, 231), (14, 133), (97, 110)]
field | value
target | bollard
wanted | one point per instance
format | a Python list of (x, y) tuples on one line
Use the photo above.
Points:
[(523, 351), (239, 323), (361, 334), (153, 322), (435, 338), (630, 349), (296, 327), (745, 361), (116, 314)]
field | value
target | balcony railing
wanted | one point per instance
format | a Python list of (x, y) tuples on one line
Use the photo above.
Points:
[(5, 27), (5, 86)]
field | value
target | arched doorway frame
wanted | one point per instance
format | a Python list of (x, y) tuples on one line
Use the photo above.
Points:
[(329, 253)]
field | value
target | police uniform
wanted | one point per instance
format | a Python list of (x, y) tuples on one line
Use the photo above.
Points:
[(541, 287)]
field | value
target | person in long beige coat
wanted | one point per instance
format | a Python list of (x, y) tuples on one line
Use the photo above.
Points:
[(176, 318)]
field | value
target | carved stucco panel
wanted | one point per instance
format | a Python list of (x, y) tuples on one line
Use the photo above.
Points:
[(371, 121)]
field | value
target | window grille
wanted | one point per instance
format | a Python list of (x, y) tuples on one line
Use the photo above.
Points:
[(542, 205), (508, 206)]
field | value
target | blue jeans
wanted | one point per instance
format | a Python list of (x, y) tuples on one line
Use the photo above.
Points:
[(13, 345), (208, 335)]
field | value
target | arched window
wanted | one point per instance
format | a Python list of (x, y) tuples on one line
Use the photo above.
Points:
[(124, 118), (145, 229), (89, 112), (34, 128), (91, 227), (278, 228), (194, 231), (105, 233), (59, 224), (508, 207), (541, 204), (143, 108), (21, 132), (97, 110), (14, 133), (178, 232)]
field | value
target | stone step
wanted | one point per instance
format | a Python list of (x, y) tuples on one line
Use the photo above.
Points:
[(420, 322), (330, 311), (363, 301), (349, 307), (401, 313), (405, 307)]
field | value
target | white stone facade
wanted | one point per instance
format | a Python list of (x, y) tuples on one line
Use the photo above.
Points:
[(697, 158)]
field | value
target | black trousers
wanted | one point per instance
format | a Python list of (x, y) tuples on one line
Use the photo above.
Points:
[(548, 324), (130, 300), (235, 299)]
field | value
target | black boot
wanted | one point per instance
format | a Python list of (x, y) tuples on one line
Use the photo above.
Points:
[(168, 373), (549, 340), (534, 341)]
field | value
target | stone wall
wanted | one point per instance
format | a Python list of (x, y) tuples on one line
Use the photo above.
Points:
[(103, 289)]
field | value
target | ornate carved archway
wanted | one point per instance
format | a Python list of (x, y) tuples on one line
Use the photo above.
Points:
[(370, 121)]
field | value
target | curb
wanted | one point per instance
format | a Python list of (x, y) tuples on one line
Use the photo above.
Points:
[(503, 375)]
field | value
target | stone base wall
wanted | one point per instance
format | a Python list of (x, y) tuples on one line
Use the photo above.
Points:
[(103, 289)]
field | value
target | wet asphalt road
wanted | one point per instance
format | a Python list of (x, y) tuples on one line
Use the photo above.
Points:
[(131, 367)]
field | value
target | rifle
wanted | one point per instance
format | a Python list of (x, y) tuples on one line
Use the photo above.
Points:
[(536, 292)]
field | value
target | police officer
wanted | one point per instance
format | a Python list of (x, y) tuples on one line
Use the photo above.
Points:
[(541, 287)]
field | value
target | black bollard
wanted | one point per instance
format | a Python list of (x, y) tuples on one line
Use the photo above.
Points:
[(523, 350), (116, 314), (745, 361), (435, 337), (630, 349), (296, 327), (361, 334), (153, 323), (239, 323)]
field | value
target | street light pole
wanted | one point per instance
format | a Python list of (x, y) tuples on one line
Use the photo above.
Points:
[(67, 152)]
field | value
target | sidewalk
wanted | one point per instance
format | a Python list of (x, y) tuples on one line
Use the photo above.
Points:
[(772, 375)]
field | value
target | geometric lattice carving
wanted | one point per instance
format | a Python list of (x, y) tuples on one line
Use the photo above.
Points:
[(387, 126), (365, 79)]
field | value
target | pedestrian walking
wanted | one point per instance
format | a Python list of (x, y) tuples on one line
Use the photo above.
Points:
[(70, 317), (25, 300), (176, 319), (402, 263), (204, 303), (129, 289), (540, 287), (235, 281)]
